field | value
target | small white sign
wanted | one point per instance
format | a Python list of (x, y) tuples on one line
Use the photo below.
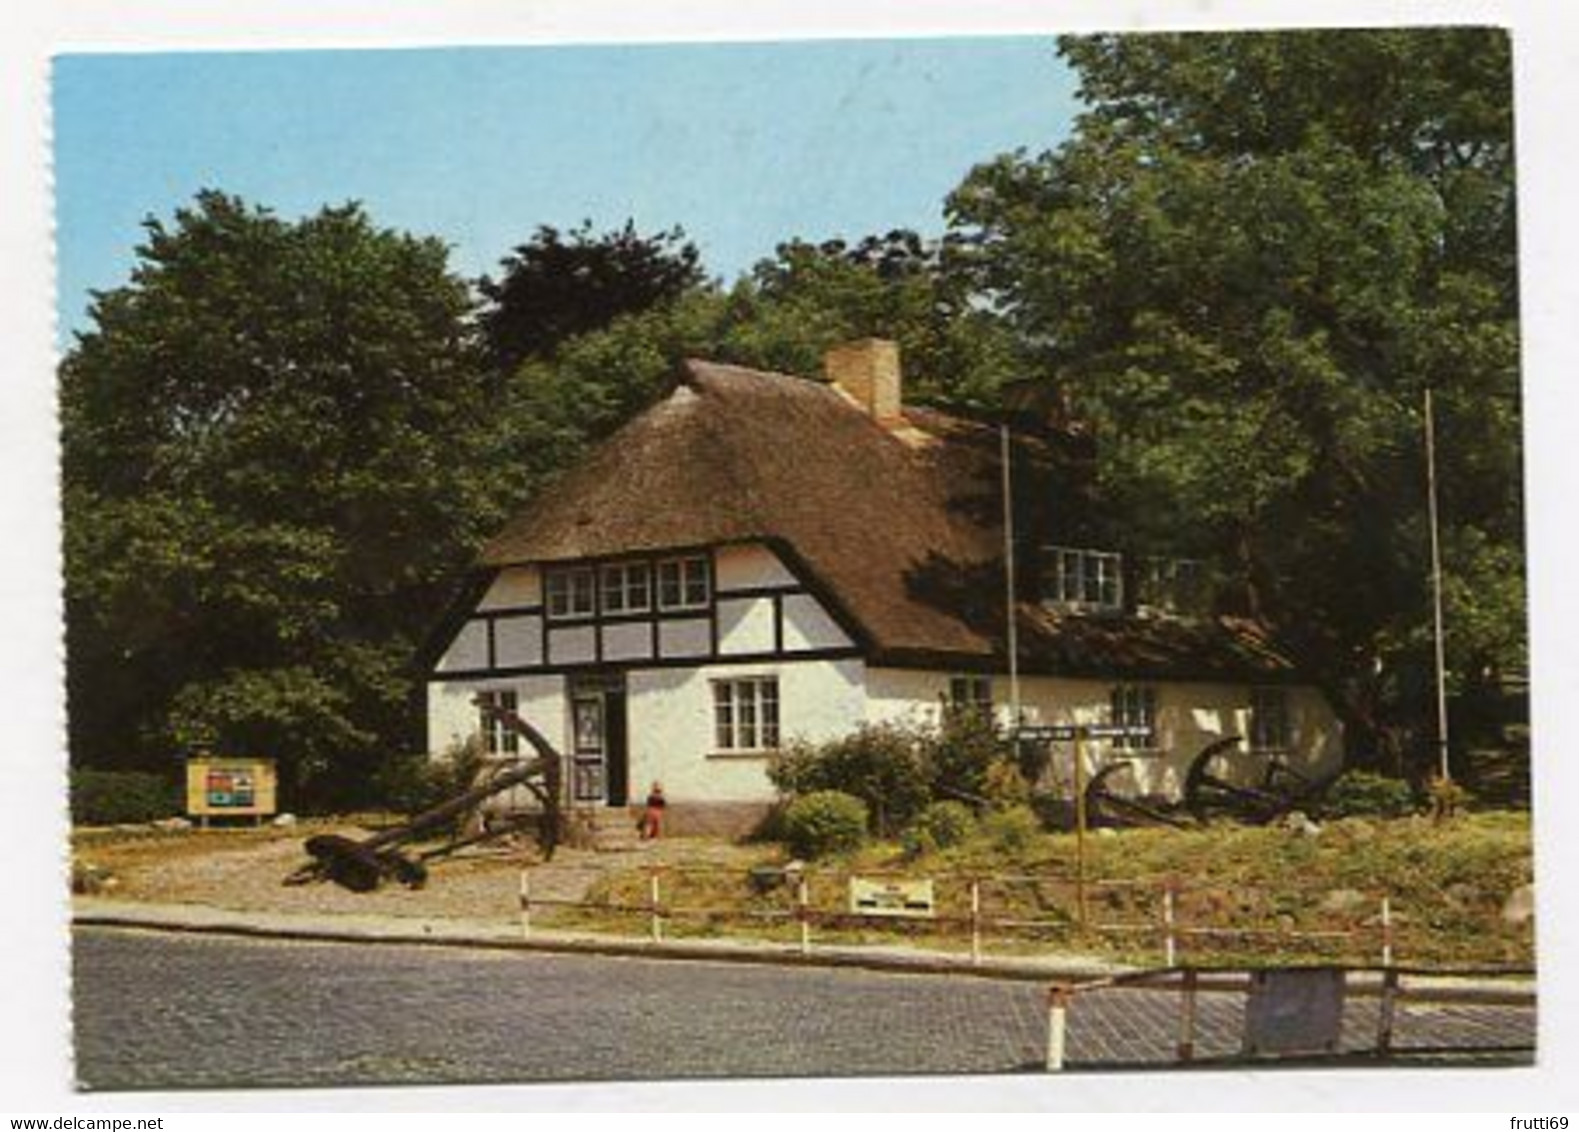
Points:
[(890, 897)]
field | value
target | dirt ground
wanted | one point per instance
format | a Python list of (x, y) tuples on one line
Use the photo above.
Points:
[(245, 870)]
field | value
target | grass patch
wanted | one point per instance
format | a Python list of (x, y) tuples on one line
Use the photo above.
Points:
[(1446, 885)]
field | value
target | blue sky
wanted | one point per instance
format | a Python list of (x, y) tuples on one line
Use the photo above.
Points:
[(743, 145)]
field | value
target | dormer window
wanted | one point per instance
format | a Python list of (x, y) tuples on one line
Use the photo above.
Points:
[(570, 593), (684, 583), (1083, 579)]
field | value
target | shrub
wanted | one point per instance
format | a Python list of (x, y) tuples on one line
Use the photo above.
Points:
[(1012, 829), (941, 825), (878, 763), (113, 797), (1360, 793), (1005, 786), (824, 822), (959, 755), (412, 783)]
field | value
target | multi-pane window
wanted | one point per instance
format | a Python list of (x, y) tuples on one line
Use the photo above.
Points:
[(746, 714), (1269, 730), (683, 583), (970, 693), (1134, 705), (1089, 578), (627, 588), (570, 593), (497, 738), (1174, 585)]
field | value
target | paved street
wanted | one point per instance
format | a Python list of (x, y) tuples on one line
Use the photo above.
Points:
[(164, 1011)]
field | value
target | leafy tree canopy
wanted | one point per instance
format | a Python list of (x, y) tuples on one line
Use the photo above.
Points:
[(560, 285), (274, 438), (1245, 267)]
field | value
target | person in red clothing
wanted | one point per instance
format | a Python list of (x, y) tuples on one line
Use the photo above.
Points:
[(652, 817)]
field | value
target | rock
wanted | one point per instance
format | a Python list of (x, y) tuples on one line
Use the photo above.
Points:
[(171, 825), (1519, 908), (1106, 831), (285, 821), (1297, 821), (1344, 902)]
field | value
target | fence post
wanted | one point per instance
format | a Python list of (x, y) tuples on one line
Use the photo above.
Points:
[(652, 902), (1057, 1017), (1387, 931), (803, 913), (1384, 1015), (1187, 1016), (975, 920), (1170, 956), (526, 905)]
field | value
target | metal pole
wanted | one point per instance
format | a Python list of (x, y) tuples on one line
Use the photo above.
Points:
[(1387, 931), (804, 911), (975, 921), (1436, 590), (1080, 825), (1057, 1018), (657, 918), (1008, 584), (1187, 1017), (1169, 948), (526, 905)]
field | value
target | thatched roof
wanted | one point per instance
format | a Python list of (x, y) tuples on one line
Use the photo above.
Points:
[(899, 527)]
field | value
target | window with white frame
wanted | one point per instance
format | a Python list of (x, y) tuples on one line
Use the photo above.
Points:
[(684, 583), (746, 714), (1134, 705), (497, 737), (570, 592), (1091, 579), (1269, 729), (1174, 585), (627, 587), (971, 693)]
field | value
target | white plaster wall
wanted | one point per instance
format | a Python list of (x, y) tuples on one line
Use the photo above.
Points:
[(691, 637), (469, 649), (807, 625), (518, 641), (671, 725), (452, 716), (749, 566), (572, 646), (627, 641), (745, 625), (513, 586), (1189, 717)]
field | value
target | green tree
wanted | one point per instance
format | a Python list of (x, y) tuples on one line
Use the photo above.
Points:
[(558, 286), (1244, 268), (276, 438)]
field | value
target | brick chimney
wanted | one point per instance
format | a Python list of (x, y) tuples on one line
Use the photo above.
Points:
[(867, 372)]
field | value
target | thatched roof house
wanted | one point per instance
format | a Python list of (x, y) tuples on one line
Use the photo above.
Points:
[(819, 523)]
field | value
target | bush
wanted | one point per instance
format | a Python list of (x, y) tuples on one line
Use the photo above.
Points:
[(879, 764), (824, 822), (1005, 786), (1360, 793), (412, 783), (941, 825), (959, 755), (112, 797), (1012, 829)]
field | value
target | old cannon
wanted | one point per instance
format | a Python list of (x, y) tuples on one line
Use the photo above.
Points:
[(362, 865), (1281, 789)]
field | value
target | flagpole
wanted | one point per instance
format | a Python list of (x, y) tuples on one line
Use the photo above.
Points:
[(1436, 592)]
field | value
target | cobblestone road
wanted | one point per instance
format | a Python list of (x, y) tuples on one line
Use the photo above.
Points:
[(165, 1011)]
